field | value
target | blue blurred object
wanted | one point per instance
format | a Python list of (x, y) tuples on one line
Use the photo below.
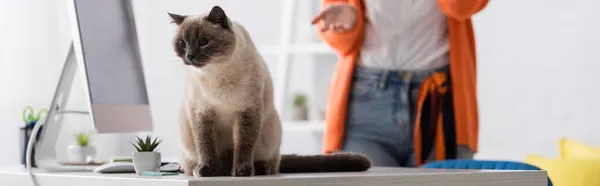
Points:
[(481, 165)]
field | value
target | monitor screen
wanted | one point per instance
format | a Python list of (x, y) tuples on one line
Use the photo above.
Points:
[(112, 65), (110, 49)]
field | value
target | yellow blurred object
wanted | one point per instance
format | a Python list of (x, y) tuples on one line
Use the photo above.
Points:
[(570, 149), (568, 172)]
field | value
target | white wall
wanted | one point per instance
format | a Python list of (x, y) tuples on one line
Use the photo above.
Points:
[(536, 71)]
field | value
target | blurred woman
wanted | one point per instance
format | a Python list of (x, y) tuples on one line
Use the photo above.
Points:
[(404, 90)]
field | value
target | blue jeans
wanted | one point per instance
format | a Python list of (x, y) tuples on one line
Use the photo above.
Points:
[(381, 116)]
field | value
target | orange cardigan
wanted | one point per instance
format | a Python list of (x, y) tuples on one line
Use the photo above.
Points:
[(462, 71)]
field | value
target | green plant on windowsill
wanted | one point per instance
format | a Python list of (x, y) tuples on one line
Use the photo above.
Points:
[(300, 100), (300, 109)]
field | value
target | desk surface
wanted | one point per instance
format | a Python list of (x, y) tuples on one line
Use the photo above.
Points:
[(375, 176)]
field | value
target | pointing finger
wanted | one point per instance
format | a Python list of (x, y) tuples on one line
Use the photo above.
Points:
[(317, 18)]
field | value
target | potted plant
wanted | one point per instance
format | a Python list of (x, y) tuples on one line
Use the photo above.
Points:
[(81, 151), (300, 110), (146, 158)]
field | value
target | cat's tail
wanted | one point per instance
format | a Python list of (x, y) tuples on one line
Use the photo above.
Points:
[(338, 162)]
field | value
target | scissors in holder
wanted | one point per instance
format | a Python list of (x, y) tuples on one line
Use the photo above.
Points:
[(30, 117)]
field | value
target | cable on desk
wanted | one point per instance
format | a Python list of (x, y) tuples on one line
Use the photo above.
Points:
[(32, 138)]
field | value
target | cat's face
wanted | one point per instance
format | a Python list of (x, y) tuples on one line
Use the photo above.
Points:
[(202, 39)]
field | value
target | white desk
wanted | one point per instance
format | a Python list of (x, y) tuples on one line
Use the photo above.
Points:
[(374, 177)]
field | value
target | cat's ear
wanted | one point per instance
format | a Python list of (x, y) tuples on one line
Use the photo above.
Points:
[(217, 16), (176, 18)]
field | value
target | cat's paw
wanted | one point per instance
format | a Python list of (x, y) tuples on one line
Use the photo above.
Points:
[(206, 170), (243, 169), (262, 168)]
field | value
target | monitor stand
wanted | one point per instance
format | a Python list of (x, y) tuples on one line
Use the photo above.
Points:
[(45, 148)]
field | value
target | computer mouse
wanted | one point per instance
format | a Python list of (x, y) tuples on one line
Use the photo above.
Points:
[(170, 167), (116, 167)]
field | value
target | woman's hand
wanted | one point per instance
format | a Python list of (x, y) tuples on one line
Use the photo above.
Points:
[(338, 17)]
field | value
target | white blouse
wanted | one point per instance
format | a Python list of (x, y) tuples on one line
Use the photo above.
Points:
[(404, 35)]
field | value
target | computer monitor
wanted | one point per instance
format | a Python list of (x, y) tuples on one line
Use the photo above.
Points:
[(105, 51), (107, 48)]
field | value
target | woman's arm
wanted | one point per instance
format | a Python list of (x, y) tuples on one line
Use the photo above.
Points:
[(461, 9), (347, 41)]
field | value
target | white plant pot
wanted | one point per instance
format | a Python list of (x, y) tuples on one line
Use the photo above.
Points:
[(80, 154), (146, 161), (300, 114)]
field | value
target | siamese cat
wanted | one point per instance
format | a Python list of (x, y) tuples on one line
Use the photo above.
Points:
[(228, 122)]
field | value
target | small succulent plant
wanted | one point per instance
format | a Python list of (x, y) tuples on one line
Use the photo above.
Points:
[(82, 139), (147, 144)]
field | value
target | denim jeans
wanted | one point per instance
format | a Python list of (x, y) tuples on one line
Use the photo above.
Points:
[(381, 116)]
